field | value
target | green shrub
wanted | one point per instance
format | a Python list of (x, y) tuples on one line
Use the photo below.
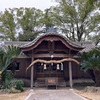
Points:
[(19, 85), (14, 83)]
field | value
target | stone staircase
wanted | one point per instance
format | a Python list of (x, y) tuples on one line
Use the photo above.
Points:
[(61, 82), (40, 82)]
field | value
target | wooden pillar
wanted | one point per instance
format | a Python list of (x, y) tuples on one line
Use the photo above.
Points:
[(32, 77), (70, 75), (32, 72)]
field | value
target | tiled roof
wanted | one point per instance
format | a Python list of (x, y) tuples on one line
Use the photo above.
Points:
[(15, 43), (57, 34), (88, 46)]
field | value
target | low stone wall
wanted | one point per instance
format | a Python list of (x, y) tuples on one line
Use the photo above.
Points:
[(92, 89)]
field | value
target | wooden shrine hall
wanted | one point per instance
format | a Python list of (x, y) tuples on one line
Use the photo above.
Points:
[(50, 59)]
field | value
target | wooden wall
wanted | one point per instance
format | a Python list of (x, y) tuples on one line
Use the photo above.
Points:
[(24, 63)]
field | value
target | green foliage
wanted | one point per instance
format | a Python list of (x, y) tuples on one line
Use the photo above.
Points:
[(7, 77), (91, 59), (47, 19), (7, 28), (91, 64), (78, 19), (18, 22), (32, 17), (3, 76), (19, 85), (5, 60), (7, 56), (13, 84), (12, 51)]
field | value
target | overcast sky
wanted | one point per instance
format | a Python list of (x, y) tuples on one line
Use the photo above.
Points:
[(41, 4)]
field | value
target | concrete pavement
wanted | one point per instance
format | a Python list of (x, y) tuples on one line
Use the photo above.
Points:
[(55, 94)]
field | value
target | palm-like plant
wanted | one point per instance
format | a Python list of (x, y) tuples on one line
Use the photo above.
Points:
[(91, 63), (7, 56)]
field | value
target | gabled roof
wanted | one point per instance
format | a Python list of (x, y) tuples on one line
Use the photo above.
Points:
[(71, 43)]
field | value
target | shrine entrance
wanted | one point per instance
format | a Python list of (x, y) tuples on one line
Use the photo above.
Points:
[(50, 72)]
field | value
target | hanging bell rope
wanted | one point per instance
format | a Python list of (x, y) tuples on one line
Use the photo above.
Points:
[(52, 61)]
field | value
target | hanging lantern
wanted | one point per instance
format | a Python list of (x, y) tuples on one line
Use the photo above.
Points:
[(44, 66), (57, 66)]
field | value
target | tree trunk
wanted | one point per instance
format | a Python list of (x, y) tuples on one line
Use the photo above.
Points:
[(91, 73), (97, 77)]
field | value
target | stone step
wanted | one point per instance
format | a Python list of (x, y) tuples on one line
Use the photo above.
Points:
[(41, 82)]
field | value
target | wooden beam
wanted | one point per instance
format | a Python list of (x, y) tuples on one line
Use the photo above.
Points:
[(48, 55), (47, 50)]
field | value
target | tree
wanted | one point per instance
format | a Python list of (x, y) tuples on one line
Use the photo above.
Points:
[(91, 63), (47, 19), (8, 25), (20, 23), (79, 18), (29, 23)]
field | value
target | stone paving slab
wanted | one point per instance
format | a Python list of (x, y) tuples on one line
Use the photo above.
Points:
[(54, 95)]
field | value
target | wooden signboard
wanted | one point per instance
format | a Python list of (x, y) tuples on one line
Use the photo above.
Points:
[(51, 81)]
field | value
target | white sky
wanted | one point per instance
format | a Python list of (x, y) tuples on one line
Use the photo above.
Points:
[(40, 4)]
